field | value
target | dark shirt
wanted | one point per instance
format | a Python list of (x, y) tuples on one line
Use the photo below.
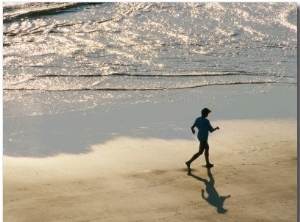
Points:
[(204, 127)]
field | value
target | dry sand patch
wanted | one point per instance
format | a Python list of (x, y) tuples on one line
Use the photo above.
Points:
[(131, 179)]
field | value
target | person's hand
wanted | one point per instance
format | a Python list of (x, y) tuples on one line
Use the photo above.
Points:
[(193, 131), (217, 128)]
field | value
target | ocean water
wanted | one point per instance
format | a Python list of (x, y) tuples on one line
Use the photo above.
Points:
[(61, 58)]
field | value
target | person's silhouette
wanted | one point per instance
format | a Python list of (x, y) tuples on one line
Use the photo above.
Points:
[(204, 127), (213, 197)]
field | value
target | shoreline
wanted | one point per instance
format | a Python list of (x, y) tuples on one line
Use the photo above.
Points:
[(129, 164), (74, 133)]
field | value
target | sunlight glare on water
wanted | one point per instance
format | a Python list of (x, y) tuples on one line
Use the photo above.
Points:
[(143, 52)]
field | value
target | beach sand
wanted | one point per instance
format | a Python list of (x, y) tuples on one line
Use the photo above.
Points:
[(145, 179)]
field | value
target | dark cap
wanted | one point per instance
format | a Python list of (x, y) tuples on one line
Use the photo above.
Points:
[(205, 112)]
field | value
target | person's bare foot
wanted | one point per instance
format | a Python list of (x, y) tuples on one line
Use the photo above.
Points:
[(209, 165), (188, 165)]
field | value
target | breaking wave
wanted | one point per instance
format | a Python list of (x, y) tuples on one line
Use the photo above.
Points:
[(12, 11)]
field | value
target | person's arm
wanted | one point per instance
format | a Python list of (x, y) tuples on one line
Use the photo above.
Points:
[(214, 129), (217, 128), (211, 129), (192, 128)]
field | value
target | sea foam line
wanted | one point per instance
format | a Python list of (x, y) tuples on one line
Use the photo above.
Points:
[(147, 89), (156, 75)]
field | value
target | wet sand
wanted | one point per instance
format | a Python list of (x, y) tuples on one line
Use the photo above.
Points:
[(145, 179)]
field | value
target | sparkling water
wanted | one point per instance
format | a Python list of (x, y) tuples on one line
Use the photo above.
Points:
[(63, 57)]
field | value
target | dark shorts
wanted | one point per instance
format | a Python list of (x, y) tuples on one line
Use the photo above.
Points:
[(204, 144)]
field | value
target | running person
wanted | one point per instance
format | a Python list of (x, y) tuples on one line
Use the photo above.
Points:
[(203, 126)]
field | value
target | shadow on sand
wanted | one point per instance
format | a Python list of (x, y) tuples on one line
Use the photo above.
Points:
[(213, 197)]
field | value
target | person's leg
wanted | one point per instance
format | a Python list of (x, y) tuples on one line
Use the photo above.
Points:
[(206, 154), (195, 156)]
